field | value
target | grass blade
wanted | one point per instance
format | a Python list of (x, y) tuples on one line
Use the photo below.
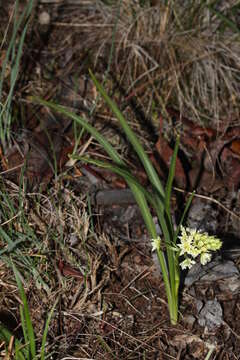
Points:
[(13, 56), (25, 334), (26, 314), (44, 337), (151, 172), (6, 335), (121, 172), (189, 201), (167, 207), (106, 145), (168, 190), (141, 195), (139, 192), (229, 23)]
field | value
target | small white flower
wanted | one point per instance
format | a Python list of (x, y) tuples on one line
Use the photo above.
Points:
[(194, 252), (205, 258), (156, 243), (187, 263), (184, 247)]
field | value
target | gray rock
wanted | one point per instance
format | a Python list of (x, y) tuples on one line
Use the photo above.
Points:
[(231, 285), (202, 216), (211, 315), (199, 305), (213, 271)]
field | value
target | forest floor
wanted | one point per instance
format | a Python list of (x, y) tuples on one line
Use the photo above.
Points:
[(73, 230)]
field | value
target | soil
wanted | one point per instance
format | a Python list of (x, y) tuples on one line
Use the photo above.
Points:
[(119, 309)]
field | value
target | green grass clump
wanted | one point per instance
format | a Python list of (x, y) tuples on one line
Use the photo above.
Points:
[(12, 61), (26, 348)]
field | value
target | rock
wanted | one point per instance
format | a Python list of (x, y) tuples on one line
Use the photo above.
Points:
[(213, 271), (221, 270), (189, 320), (232, 285), (44, 18), (199, 305), (202, 216), (211, 315)]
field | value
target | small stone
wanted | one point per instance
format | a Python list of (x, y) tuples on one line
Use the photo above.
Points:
[(211, 315), (44, 18), (189, 321)]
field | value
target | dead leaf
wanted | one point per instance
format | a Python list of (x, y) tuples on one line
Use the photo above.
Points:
[(196, 346), (165, 152), (67, 270), (235, 146)]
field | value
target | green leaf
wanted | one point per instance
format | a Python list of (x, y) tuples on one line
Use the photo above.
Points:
[(189, 201), (140, 195), (151, 172), (105, 144), (44, 337), (139, 192), (26, 318), (170, 179), (11, 244), (173, 271), (228, 22), (6, 335), (123, 172)]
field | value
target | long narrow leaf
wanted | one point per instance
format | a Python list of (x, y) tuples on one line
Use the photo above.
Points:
[(139, 192), (27, 318), (228, 22), (173, 270), (15, 61), (189, 201), (5, 335), (106, 145), (171, 175), (121, 172), (9, 241), (151, 227), (44, 337), (141, 195), (16, 28), (19, 355), (153, 199), (151, 172), (25, 332)]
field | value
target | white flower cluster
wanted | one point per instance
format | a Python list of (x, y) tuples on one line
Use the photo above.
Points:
[(193, 244)]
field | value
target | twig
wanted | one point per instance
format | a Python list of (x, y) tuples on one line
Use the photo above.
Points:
[(211, 200)]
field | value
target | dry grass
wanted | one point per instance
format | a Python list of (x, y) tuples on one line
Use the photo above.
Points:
[(179, 55), (162, 56), (53, 228)]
